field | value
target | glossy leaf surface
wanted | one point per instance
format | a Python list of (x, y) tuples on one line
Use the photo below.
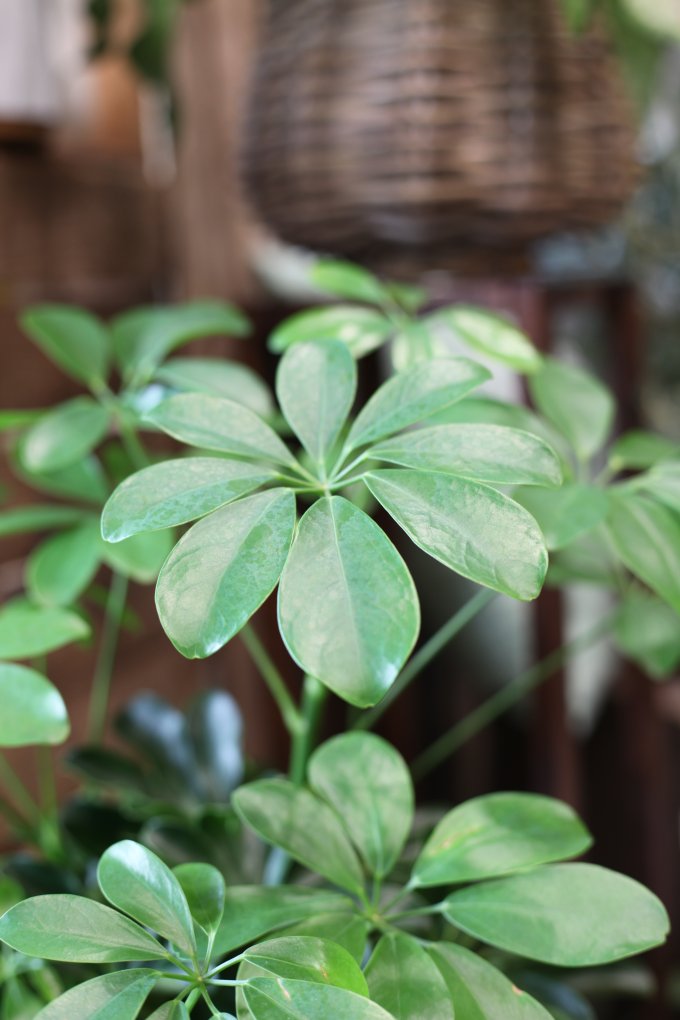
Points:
[(347, 929), (117, 996), (27, 630), (492, 335), (281, 999), (304, 958), (479, 991), (59, 570), (576, 403), (64, 434), (646, 536), (33, 710), (565, 514), (73, 338), (362, 330), (403, 979), (204, 888), (218, 378), (348, 609)]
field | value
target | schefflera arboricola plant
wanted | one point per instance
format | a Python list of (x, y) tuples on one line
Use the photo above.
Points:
[(347, 606)]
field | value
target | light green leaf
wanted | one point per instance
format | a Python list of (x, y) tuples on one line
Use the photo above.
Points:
[(117, 996), (84, 480), (213, 423), (73, 338), (403, 979), (280, 999), (469, 527), (576, 403), (218, 378), (566, 514), (346, 280), (640, 450), (413, 395), (569, 915), (33, 711), (18, 418), (496, 835), (305, 958), (223, 569), (492, 335), (362, 330), (64, 435), (369, 785), (143, 337), (27, 630), (73, 929), (663, 483), (138, 882), (348, 608), (483, 453), (139, 557), (301, 824), (172, 1011), (348, 930), (588, 558), (316, 384), (646, 536), (59, 570), (205, 891), (38, 517), (176, 491), (647, 630), (479, 991)]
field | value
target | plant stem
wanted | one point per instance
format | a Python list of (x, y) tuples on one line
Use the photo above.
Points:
[(289, 713), (18, 791), (101, 682), (48, 789), (313, 699), (424, 656), (505, 698), (192, 999), (132, 443)]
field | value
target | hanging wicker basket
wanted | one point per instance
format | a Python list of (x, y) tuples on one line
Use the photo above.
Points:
[(423, 123)]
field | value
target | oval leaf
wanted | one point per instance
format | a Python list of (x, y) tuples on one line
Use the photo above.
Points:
[(139, 557), (27, 631), (73, 338), (346, 280), (64, 435), (361, 329), (576, 403), (565, 514), (305, 958), (646, 536), (490, 334), (349, 930), (38, 517), (117, 996), (663, 483), (469, 527), (280, 999), (33, 711), (205, 891), (348, 608), (61, 568), (403, 979), (639, 450), (172, 1011), (218, 378), (647, 630), (223, 569)]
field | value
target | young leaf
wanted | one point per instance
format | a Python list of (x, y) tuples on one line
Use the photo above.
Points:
[(403, 980), (205, 891), (280, 999), (214, 423), (302, 825), (369, 785), (38, 517), (646, 536), (64, 435), (414, 395), (27, 631), (73, 929), (569, 915), (496, 835), (176, 491), (33, 711), (117, 996), (469, 527), (59, 570), (566, 514), (223, 569), (218, 378), (576, 403), (345, 580), (139, 883), (640, 450), (483, 453), (479, 991), (139, 557), (492, 335), (306, 959), (647, 630), (346, 280), (73, 338), (316, 384), (663, 483), (362, 330)]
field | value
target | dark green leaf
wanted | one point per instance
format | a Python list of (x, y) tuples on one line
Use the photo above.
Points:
[(64, 435), (59, 570), (478, 991), (205, 891), (646, 536), (305, 958), (346, 280), (73, 338), (218, 378), (37, 517), (640, 450), (117, 996), (139, 557), (403, 980), (647, 630), (27, 631), (565, 514), (279, 999), (348, 608), (101, 765), (492, 335), (361, 329), (223, 569), (576, 403), (33, 711), (663, 483)]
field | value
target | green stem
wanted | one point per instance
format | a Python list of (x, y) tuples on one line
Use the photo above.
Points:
[(291, 717), (132, 444), (505, 698), (18, 791), (192, 999), (47, 783), (101, 682), (424, 655), (313, 699)]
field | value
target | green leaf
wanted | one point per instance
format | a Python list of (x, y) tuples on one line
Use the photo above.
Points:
[(33, 711), (316, 384), (139, 557), (74, 339), (362, 330), (413, 395), (403, 980), (38, 517), (569, 915), (139, 883), (588, 558), (218, 378), (171, 1011), (280, 999), (348, 608), (64, 435), (565, 515), (213, 423), (347, 929), (469, 527), (83, 480), (483, 453), (369, 785), (663, 483), (479, 991), (640, 450), (73, 929), (490, 334), (117, 996), (647, 630), (646, 536), (59, 570), (576, 403), (27, 631), (346, 280), (205, 891), (143, 337), (302, 825), (223, 569), (17, 419), (305, 958), (496, 835), (176, 491)]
